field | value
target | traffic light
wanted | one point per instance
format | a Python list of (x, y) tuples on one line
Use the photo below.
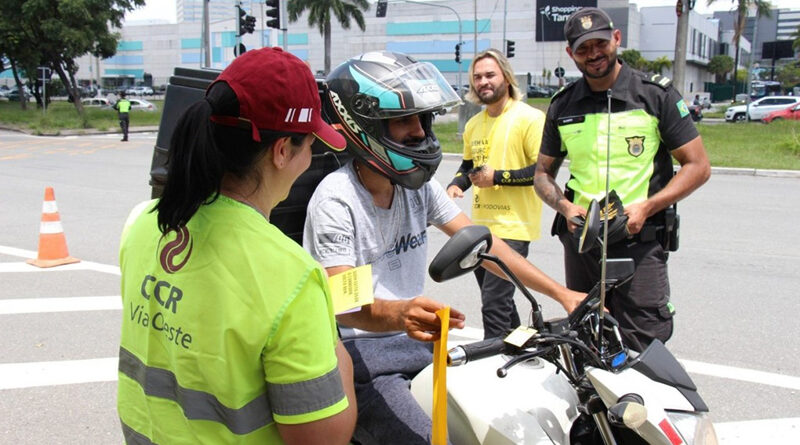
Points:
[(380, 8), (458, 52), (509, 48), (242, 21), (249, 24), (274, 12)]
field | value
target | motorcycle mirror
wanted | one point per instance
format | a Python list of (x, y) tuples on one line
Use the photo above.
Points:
[(460, 254), (591, 228)]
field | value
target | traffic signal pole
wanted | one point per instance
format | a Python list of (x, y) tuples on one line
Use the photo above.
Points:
[(205, 38)]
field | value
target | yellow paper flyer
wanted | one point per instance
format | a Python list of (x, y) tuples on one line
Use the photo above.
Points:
[(351, 289)]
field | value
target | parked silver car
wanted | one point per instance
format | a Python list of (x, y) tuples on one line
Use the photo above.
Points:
[(759, 108)]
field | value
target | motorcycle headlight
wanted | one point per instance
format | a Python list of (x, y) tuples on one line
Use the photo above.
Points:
[(696, 428)]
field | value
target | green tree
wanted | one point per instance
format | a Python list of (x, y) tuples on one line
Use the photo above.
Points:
[(55, 33), (660, 64), (789, 76), (720, 65), (796, 36), (741, 75), (634, 59), (741, 7), (320, 12)]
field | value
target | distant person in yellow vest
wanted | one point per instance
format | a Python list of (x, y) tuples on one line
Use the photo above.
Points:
[(501, 144), (228, 333), (123, 106)]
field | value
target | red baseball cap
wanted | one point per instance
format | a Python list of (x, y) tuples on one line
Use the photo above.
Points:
[(276, 91)]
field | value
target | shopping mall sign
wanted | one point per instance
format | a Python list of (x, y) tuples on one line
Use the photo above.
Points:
[(551, 16)]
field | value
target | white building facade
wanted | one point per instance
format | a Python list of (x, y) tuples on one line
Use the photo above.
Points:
[(148, 53)]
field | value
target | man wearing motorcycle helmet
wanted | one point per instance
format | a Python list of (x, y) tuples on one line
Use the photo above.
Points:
[(375, 210)]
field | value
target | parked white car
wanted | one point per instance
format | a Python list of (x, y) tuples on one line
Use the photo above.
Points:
[(95, 102), (139, 91), (142, 105), (759, 108)]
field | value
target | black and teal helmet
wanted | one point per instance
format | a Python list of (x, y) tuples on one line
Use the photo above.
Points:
[(368, 90)]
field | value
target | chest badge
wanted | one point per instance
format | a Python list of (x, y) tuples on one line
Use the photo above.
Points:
[(635, 145)]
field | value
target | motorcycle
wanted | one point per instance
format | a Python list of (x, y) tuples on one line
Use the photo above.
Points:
[(573, 380), (696, 111)]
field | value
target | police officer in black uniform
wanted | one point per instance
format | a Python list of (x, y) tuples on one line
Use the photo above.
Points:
[(649, 125)]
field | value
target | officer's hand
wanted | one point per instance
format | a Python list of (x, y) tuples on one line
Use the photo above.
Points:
[(455, 191), (483, 177), (421, 322), (637, 215), (571, 211)]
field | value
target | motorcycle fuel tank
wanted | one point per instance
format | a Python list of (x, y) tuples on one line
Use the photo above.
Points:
[(531, 405)]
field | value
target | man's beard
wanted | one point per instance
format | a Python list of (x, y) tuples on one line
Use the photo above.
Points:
[(612, 61), (495, 96)]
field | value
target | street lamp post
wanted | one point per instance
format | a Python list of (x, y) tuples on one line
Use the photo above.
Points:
[(460, 41)]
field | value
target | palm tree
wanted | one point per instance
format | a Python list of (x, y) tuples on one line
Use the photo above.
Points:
[(660, 64), (319, 14), (742, 7)]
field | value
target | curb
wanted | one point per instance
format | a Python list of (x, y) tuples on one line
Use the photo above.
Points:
[(154, 129), (85, 131)]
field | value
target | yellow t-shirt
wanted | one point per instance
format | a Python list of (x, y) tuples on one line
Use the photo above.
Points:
[(508, 142)]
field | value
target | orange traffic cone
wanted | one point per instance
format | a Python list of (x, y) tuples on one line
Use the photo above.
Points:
[(52, 242)]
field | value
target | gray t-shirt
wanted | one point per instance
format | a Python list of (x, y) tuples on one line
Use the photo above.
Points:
[(344, 228)]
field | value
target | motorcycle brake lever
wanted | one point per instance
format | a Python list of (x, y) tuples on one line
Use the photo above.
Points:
[(503, 370)]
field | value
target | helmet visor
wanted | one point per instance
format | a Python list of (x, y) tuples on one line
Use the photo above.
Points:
[(412, 89)]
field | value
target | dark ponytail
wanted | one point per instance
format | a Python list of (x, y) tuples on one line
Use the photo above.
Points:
[(194, 168)]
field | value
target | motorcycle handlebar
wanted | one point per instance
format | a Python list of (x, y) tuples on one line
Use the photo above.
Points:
[(475, 351)]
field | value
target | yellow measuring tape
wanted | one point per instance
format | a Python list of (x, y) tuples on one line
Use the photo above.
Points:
[(440, 380)]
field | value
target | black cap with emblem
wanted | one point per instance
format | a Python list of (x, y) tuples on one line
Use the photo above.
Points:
[(586, 24)]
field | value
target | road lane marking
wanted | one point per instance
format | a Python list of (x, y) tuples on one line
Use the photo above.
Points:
[(83, 265), (785, 430), (25, 267), (741, 374), (66, 304), (28, 375)]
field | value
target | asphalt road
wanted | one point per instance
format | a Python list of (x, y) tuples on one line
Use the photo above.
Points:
[(734, 282)]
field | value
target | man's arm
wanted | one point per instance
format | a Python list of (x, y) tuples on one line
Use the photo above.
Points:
[(694, 172), (489, 177), (461, 181), (528, 274), (545, 184), (417, 316)]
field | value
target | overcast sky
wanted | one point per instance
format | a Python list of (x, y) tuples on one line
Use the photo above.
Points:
[(165, 9)]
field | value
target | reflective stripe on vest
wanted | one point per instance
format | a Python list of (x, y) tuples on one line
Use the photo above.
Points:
[(124, 105), (133, 437), (196, 405), (635, 139), (284, 399)]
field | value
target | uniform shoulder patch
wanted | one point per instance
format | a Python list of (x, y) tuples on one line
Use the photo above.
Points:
[(562, 90), (658, 79)]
